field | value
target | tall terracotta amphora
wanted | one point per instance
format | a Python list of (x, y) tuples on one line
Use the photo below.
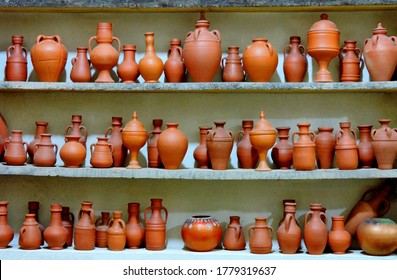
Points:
[(15, 149), (41, 127), (384, 143), (339, 239), (152, 149), (295, 62), (155, 224), (366, 155), (128, 70), (325, 147), (76, 128), (113, 133), (260, 237), (323, 46), (315, 232), (219, 145), (68, 222), (350, 62), (135, 232), (304, 149), (6, 232), (246, 154), (234, 236), (30, 237), (84, 230), (101, 230), (81, 70), (174, 67), (202, 52), (56, 235), (282, 152), (33, 208), (200, 153), (116, 232), (101, 153), (346, 152), (232, 67), (45, 152), (104, 56), (16, 63), (72, 152), (150, 65), (289, 234)]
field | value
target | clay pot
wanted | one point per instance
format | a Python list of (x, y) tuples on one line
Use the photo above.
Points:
[(201, 233), (232, 67), (234, 236), (366, 155), (16, 63), (45, 152), (339, 239), (15, 149), (246, 154), (325, 147), (41, 127), (200, 153), (29, 234), (81, 67), (202, 52), (150, 66), (33, 208), (260, 237), (155, 224), (174, 68), (6, 232), (119, 152), (116, 232), (101, 153), (172, 146), (304, 148), (295, 62), (135, 232), (152, 149), (72, 152), (315, 232), (260, 60), (104, 56), (101, 230), (3, 128), (323, 45), (68, 223), (350, 62), (84, 230), (346, 152), (289, 234), (282, 151), (128, 70), (384, 144), (76, 128), (219, 145), (55, 234)]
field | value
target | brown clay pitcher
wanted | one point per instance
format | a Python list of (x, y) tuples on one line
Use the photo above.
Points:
[(366, 155), (81, 70), (45, 152), (200, 153), (232, 67), (282, 152), (339, 239), (384, 143), (84, 230), (128, 70), (113, 133), (56, 235), (260, 237), (234, 237), (116, 232), (135, 232), (16, 63), (325, 147), (15, 149), (295, 62), (304, 149), (41, 127), (219, 145), (68, 223), (289, 234), (101, 230), (315, 232), (350, 62), (155, 234), (152, 149), (246, 154), (6, 232), (150, 65), (346, 152), (29, 234), (76, 128), (174, 67), (101, 153)]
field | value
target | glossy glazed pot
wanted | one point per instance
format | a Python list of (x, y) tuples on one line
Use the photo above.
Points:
[(16, 62), (200, 153), (304, 148), (219, 145), (350, 57), (101, 153), (234, 236), (339, 239), (174, 68), (101, 230), (260, 237), (15, 149), (150, 65), (152, 149), (116, 232), (172, 146), (128, 70), (295, 62), (29, 234), (282, 152), (366, 154), (56, 235), (384, 143), (72, 152), (84, 230), (81, 67), (325, 147), (135, 232), (6, 232), (232, 67), (155, 225), (289, 234), (76, 128), (346, 152), (68, 222), (113, 133), (45, 152), (41, 127), (315, 232), (246, 154)]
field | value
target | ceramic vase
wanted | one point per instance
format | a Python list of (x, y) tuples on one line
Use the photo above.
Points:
[(289, 234), (346, 152), (135, 232), (72, 152), (45, 152), (150, 65), (101, 230), (116, 232), (101, 153), (155, 225), (366, 155), (200, 153), (219, 145), (113, 133), (339, 239), (76, 128), (152, 149), (260, 237), (234, 236), (325, 147), (282, 151), (6, 232), (174, 67), (33, 208), (304, 148), (81, 67), (172, 146), (232, 66), (15, 149), (128, 70), (30, 237), (295, 62), (246, 154), (384, 144), (68, 223), (84, 230), (41, 127), (350, 62), (55, 235), (315, 232), (16, 62)]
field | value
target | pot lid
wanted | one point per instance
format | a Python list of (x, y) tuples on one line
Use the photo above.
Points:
[(324, 24), (379, 30), (134, 124), (263, 124)]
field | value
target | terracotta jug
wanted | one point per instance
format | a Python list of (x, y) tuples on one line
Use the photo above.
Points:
[(55, 235), (6, 232), (260, 237), (246, 154), (325, 147), (116, 232), (45, 152), (346, 152), (104, 56), (76, 128), (101, 230), (72, 152), (134, 231), (134, 137), (282, 151), (304, 149), (284, 213), (219, 145), (16, 63), (84, 230), (260, 60), (81, 67), (155, 233), (101, 153), (68, 222), (234, 236), (380, 54), (29, 234), (232, 67), (172, 146), (150, 65), (15, 149), (350, 62), (119, 150), (41, 127), (152, 149), (295, 62), (128, 70), (366, 155), (174, 68), (315, 232), (202, 52), (33, 208), (289, 234), (200, 153), (339, 239), (323, 45), (384, 144)]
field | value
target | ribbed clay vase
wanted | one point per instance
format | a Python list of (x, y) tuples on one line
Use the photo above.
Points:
[(81, 67), (135, 232), (76, 128), (282, 152), (174, 67), (41, 127), (346, 152), (304, 148), (260, 237), (325, 147), (384, 143), (295, 62), (246, 154), (72, 152), (16, 63), (315, 232), (6, 232), (116, 232), (366, 155), (172, 146), (289, 234), (155, 225), (234, 236), (101, 230), (339, 239), (15, 149), (128, 70), (350, 62), (219, 145), (68, 222), (113, 133), (101, 153), (150, 65), (232, 66), (30, 237), (56, 235), (45, 154), (200, 153), (84, 230), (154, 160)]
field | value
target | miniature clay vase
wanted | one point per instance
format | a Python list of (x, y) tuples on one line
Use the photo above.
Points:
[(339, 239), (380, 54), (33, 208), (16, 63), (295, 62), (219, 145), (232, 67), (30, 237), (202, 52), (200, 153), (384, 144), (104, 56), (350, 62), (55, 235), (6, 232), (128, 70), (304, 148), (172, 146), (323, 45), (150, 65), (41, 127), (260, 237), (260, 60), (101, 230), (113, 134), (325, 147), (81, 67), (289, 234), (315, 231), (76, 128), (366, 155), (246, 154), (155, 224), (234, 236), (15, 149), (101, 153), (116, 232), (84, 230), (72, 152), (174, 68), (134, 137), (45, 152), (346, 152), (68, 223), (134, 231), (282, 152), (154, 160)]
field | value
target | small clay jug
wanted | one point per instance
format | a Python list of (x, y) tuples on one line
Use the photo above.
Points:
[(68, 222), (346, 152), (260, 237), (6, 232), (45, 152), (339, 239), (246, 154), (152, 149), (155, 224), (174, 68), (234, 236), (16, 63), (84, 230), (41, 127), (282, 151), (81, 67), (134, 230), (315, 232), (200, 153), (55, 235), (325, 147), (172, 146), (113, 133), (289, 234), (384, 143), (219, 145), (350, 62), (150, 65), (76, 128), (15, 149), (295, 62), (29, 234), (304, 148), (232, 67), (73, 152), (101, 153), (101, 230), (366, 155), (33, 208), (128, 70), (116, 232)]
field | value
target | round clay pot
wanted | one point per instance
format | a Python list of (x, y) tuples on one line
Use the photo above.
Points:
[(232, 67), (346, 152), (315, 233), (295, 62), (101, 153), (156, 232), (55, 234), (119, 150), (73, 152), (325, 147), (81, 71), (29, 234), (135, 232), (128, 70), (152, 149), (16, 63), (289, 234), (384, 143), (84, 230), (366, 155), (45, 152), (200, 153), (260, 237), (6, 232), (101, 230), (150, 66), (174, 68), (68, 222), (282, 152), (350, 62), (246, 154), (234, 236), (15, 149), (219, 145), (41, 127), (304, 148), (116, 232), (339, 239)]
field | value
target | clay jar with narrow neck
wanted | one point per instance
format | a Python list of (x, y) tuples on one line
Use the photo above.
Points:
[(350, 60), (150, 65), (30, 237), (155, 233), (295, 62), (116, 232), (200, 153), (41, 127), (282, 151), (246, 154), (101, 230), (339, 239), (289, 234), (128, 70), (81, 71), (234, 236), (315, 233), (101, 153), (172, 146), (76, 128), (55, 234), (304, 149), (84, 230), (72, 152), (16, 63), (346, 152), (384, 143), (260, 237), (113, 134), (45, 152), (68, 222), (15, 149), (152, 149), (33, 208), (325, 147), (366, 155), (174, 67), (6, 232), (232, 67), (135, 232), (219, 145)]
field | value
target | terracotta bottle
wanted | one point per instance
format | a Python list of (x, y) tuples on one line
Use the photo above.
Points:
[(72, 152), (113, 133), (150, 65), (234, 236), (346, 152), (260, 237), (6, 232), (101, 153), (45, 152), (29, 234), (68, 222), (76, 128), (295, 62), (152, 149), (282, 151), (15, 149), (304, 149), (219, 145), (289, 234), (135, 232), (384, 144), (315, 232), (174, 67), (55, 235), (246, 154), (81, 70), (84, 230), (128, 70), (41, 127), (33, 208), (155, 224), (350, 62), (16, 63), (325, 147), (339, 239), (366, 155), (101, 230), (172, 146), (116, 232), (232, 67), (200, 153), (104, 56)]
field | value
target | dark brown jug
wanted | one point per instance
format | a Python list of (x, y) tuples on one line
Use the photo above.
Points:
[(68, 223), (282, 152)]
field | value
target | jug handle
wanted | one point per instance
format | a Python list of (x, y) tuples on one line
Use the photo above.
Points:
[(71, 217), (217, 34), (354, 135), (21, 232), (82, 128), (270, 48), (238, 139), (92, 146), (92, 216), (324, 218), (67, 129), (6, 142), (89, 43), (313, 134), (337, 136), (292, 137), (148, 136), (307, 216), (287, 221), (180, 50), (166, 213), (118, 41), (286, 49), (375, 39), (145, 214), (385, 208), (111, 148), (269, 228), (56, 148), (26, 146), (250, 230), (238, 232), (98, 221), (9, 50), (231, 133), (367, 192), (108, 130), (73, 61), (340, 54), (303, 49), (223, 63)]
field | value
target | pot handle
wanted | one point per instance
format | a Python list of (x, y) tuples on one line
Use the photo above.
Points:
[(84, 131), (9, 49), (145, 214), (211, 134), (111, 147), (89, 43), (217, 34), (310, 213), (71, 217), (240, 133), (269, 228), (56, 149), (6, 142), (314, 135), (92, 146), (108, 130), (287, 221), (375, 39), (292, 137), (238, 232), (26, 146), (303, 49), (98, 221), (231, 133), (367, 192), (73, 61), (67, 129), (354, 135), (385, 207), (223, 63), (250, 230), (323, 217), (118, 41), (270, 48), (166, 213), (39, 38), (148, 136), (337, 136), (287, 47)]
